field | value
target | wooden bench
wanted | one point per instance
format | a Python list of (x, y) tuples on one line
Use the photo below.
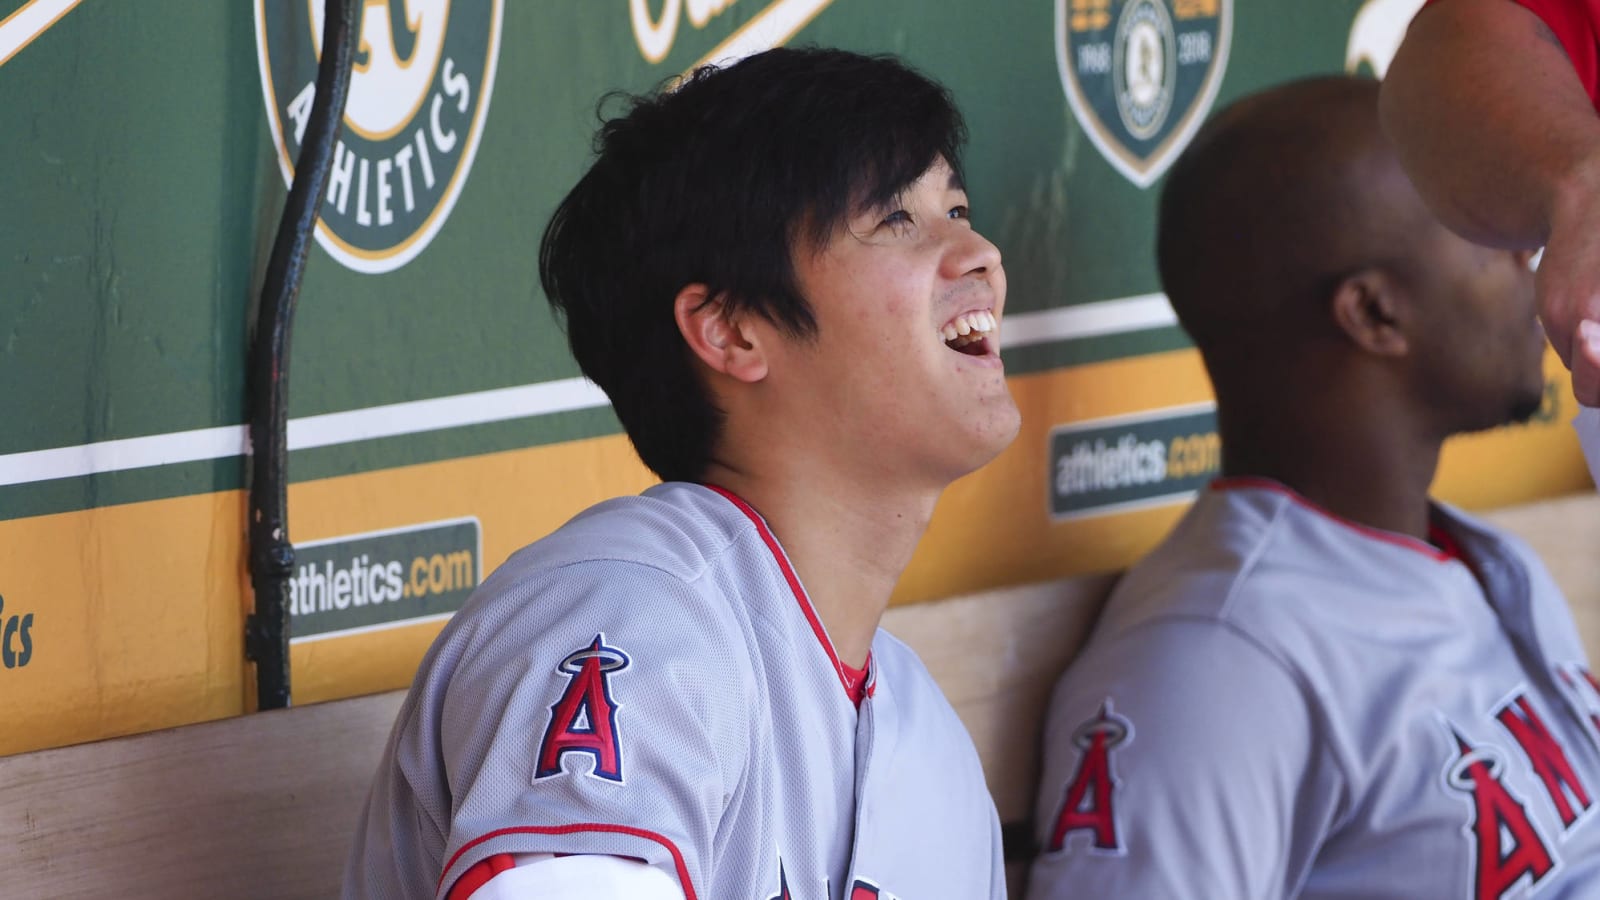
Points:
[(265, 805)]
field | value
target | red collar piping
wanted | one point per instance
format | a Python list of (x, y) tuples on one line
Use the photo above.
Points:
[(1388, 537), (795, 586)]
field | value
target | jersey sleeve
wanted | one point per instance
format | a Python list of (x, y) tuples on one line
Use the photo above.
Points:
[(595, 709), (1576, 23), (1180, 762)]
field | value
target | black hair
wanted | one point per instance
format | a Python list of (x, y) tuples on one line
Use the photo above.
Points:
[(721, 180)]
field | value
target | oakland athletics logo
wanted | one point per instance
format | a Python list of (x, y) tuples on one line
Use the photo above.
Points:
[(419, 93), (1140, 75)]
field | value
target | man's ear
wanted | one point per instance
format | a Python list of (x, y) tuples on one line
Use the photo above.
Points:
[(1370, 309), (723, 342)]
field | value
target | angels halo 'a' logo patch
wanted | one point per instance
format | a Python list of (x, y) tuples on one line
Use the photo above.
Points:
[(418, 97), (583, 720), (1140, 75)]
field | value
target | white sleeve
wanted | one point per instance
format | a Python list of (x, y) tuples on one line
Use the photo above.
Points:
[(1180, 762), (573, 723), (544, 877)]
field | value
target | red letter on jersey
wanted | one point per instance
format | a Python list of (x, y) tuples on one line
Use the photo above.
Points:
[(584, 720), (1496, 813), (1091, 793), (1547, 757)]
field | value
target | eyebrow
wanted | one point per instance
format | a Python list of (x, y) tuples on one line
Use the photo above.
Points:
[(954, 183)]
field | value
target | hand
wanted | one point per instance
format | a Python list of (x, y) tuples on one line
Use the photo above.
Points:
[(1568, 290), (1586, 363)]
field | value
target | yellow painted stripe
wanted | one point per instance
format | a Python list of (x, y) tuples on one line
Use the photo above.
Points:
[(137, 619), (139, 608), (993, 528), (517, 496), (1519, 463)]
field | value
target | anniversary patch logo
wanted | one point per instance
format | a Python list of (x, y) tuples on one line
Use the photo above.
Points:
[(424, 70), (1140, 75)]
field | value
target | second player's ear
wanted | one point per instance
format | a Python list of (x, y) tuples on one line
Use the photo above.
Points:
[(719, 338), (1370, 309)]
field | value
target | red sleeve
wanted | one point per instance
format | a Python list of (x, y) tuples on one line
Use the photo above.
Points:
[(1577, 24), (479, 875)]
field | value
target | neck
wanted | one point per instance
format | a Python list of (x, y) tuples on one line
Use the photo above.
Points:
[(848, 543), (1344, 458)]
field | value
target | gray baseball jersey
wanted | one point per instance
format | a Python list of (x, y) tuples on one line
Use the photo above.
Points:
[(1280, 703), (650, 681)]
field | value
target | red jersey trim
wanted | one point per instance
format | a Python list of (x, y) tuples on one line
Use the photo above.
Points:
[(677, 857), (794, 586), (1388, 537), (856, 684), (479, 875), (1446, 542), (1576, 26)]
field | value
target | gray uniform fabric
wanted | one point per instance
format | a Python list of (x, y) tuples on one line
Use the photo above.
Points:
[(1279, 703), (646, 683)]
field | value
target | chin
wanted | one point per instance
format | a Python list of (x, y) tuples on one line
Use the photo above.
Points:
[(1013, 425), (977, 449), (990, 440)]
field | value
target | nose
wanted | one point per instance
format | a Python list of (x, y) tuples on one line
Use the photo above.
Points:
[(970, 253)]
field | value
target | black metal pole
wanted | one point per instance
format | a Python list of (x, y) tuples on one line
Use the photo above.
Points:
[(266, 638)]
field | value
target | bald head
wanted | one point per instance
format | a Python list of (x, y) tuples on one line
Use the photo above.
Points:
[(1278, 198), (1324, 297)]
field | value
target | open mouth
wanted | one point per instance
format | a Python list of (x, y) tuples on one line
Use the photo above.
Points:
[(970, 333)]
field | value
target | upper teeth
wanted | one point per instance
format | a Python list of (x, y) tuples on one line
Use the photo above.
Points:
[(969, 323)]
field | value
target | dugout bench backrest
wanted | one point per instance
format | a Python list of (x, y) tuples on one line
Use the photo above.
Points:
[(265, 805)]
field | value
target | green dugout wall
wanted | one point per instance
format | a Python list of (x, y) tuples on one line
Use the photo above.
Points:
[(437, 420)]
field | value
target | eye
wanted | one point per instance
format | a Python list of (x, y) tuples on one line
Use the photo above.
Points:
[(898, 219), (958, 212)]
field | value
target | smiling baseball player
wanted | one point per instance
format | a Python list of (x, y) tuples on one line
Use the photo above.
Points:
[(684, 694), (1323, 684)]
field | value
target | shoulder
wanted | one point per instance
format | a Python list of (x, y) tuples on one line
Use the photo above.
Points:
[(679, 529), (1192, 674), (1213, 592), (1194, 687), (1278, 568), (638, 575), (1228, 548), (1182, 760), (629, 558)]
